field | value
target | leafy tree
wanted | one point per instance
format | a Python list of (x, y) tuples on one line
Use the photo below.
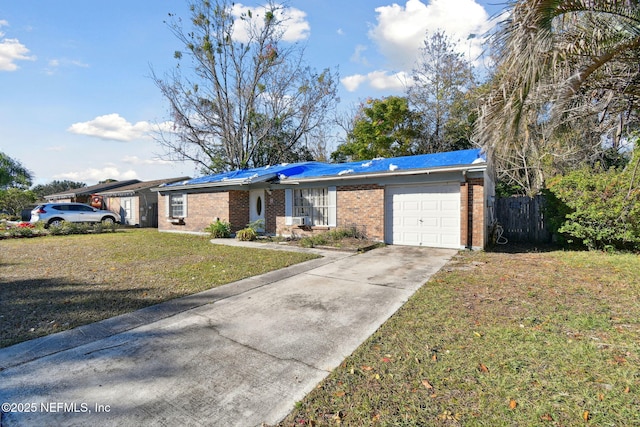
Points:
[(442, 83), (382, 128), (565, 68), (55, 187), (247, 88), (14, 200), (598, 209), (13, 174)]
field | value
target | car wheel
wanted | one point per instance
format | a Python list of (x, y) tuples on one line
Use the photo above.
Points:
[(56, 222), (108, 220)]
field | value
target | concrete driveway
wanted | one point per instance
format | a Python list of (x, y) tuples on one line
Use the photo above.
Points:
[(238, 355)]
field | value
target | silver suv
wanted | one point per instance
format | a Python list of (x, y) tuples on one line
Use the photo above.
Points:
[(56, 213)]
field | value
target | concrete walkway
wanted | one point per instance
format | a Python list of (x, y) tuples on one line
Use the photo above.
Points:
[(238, 355)]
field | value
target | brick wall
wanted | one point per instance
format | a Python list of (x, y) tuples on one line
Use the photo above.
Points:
[(464, 214), (478, 233), (274, 212), (472, 216), (202, 210), (238, 210), (362, 206)]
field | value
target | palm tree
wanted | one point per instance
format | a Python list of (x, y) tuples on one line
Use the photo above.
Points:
[(562, 63)]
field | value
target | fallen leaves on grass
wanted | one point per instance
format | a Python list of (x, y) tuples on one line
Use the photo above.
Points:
[(427, 384), (483, 368), (511, 378), (449, 416)]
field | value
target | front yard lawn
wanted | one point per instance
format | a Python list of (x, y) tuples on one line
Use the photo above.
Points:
[(498, 339), (49, 284)]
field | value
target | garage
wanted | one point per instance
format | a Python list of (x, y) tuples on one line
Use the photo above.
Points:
[(424, 215)]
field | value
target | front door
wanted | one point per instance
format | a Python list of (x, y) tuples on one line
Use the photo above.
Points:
[(126, 213), (256, 207)]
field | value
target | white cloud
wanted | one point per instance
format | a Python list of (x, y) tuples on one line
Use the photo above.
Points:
[(379, 80), (358, 56), (56, 148), (351, 83), (294, 20), (382, 80), (54, 64), (113, 127), (98, 174), (135, 160), (12, 50), (401, 30)]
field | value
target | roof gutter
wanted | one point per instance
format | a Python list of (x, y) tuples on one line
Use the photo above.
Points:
[(118, 194), (467, 168), (61, 196), (227, 183)]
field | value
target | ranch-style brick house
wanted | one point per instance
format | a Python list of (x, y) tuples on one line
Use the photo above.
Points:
[(136, 203), (438, 200), (83, 194)]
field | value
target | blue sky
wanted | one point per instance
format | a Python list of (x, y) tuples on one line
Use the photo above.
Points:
[(77, 102)]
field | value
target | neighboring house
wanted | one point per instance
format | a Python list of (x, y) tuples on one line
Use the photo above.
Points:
[(439, 200), (83, 195), (136, 203)]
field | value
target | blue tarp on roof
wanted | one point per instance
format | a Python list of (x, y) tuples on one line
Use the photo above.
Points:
[(245, 176), (310, 170), (423, 161)]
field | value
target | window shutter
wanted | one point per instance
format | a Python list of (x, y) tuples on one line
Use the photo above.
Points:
[(333, 210), (167, 205), (288, 206)]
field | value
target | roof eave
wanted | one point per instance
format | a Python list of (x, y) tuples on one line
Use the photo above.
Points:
[(119, 193), (226, 183), (61, 196)]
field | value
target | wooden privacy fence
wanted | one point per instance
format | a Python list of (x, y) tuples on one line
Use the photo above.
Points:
[(523, 219)]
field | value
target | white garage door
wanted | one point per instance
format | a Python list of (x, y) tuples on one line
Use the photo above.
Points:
[(427, 215)]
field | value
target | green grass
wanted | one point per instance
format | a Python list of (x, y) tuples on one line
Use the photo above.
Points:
[(49, 284), (499, 339)]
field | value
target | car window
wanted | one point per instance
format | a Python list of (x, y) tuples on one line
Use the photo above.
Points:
[(61, 207), (84, 208)]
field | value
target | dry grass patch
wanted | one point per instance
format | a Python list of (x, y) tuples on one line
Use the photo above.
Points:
[(50, 284), (497, 339)]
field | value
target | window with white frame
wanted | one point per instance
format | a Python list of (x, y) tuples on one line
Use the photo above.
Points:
[(177, 205), (312, 203)]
